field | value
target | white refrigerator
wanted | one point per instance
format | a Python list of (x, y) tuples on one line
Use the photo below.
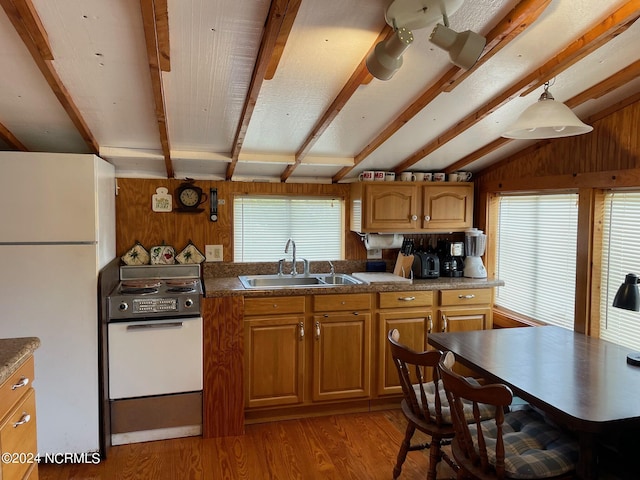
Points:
[(57, 230)]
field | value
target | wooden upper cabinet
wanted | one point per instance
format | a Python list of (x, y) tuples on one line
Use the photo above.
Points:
[(447, 206), (388, 207), (406, 207)]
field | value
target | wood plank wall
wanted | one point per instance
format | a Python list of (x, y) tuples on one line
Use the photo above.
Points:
[(135, 221)]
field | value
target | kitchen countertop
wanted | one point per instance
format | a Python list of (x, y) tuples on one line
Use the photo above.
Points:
[(231, 286), (14, 352)]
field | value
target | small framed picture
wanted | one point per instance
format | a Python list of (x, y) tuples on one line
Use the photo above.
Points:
[(161, 201)]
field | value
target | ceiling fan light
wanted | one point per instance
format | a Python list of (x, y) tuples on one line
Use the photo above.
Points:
[(386, 58), (547, 118), (464, 48)]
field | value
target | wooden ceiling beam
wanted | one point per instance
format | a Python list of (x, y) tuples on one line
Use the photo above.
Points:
[(148, 10), (161, 10), (283, 36), (29, 17), (609, 84), (358, 77), (34, 38), (514, 23), (10, 139), (278, 11), (598, 34)]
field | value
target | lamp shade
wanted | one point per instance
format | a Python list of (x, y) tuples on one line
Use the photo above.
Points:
[(386, 58), (547, 118), (628, 296), (464, 48)]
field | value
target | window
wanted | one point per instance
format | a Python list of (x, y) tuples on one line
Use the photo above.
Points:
[(537, 256), (263, 224), (620, 255)]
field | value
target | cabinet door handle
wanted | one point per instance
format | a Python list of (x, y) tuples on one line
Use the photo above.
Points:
[(406, 299), (429, 324), (24, 419), (444, 323), (466, 297), (301, 326), (427, 218), (317, 330), (414, 218), (23, 382)]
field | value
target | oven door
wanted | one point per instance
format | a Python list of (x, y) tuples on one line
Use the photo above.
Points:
[(155, 357)]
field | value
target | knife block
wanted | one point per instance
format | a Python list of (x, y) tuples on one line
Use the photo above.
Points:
[(403, 265)]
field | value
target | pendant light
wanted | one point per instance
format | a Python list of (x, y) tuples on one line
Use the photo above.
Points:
[(547, 119)]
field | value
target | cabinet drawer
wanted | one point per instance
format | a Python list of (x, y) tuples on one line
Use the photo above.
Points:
[(344, 302), (405, 299), (19, 439), (16, 386), (273, 305), (471, 296)]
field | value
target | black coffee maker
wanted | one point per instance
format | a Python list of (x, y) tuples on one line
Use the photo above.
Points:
[(451, 255)]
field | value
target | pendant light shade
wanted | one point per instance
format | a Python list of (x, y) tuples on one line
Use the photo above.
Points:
[(547, 118)]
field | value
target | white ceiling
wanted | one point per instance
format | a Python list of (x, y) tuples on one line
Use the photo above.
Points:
[(101, 59)]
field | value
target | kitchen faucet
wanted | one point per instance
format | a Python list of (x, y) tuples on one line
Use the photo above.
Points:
[(293, 255), (294, 270)]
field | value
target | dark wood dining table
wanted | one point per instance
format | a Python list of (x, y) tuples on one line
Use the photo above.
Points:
[(581, 382)]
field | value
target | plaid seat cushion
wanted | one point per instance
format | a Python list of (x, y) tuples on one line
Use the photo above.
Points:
[(486, 411), (533, 448)]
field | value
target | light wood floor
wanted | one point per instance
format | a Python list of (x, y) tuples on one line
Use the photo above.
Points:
[(341, 447)]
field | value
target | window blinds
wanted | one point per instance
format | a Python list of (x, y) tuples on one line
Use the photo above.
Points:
[(621, 255), (537, 256), (263, 224)]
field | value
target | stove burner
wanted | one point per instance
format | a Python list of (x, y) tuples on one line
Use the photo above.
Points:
[(138, 290), (140, 284), (180, 289), (188, 282)]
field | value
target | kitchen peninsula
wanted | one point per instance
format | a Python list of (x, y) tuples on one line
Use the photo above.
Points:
[(281, 353)]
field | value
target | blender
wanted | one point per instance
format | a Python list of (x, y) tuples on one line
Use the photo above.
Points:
[(475, 242)]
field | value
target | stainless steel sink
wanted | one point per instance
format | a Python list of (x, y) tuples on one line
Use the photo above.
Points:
[(338, 279), (290, 281)]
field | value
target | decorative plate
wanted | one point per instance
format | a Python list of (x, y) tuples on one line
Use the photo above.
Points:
[(137, 255), (163, 255), (190, 254)]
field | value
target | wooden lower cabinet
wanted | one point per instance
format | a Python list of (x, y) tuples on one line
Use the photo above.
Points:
[(411, 314), (274, 360), (18, 437), (328, 353), (341, 356), (465, 310), (274, 351)]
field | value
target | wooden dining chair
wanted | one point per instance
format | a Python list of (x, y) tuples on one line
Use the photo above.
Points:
[(422, 404), (512, 444)]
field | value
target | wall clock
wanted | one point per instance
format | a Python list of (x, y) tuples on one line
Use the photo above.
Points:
[(189, 197)]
